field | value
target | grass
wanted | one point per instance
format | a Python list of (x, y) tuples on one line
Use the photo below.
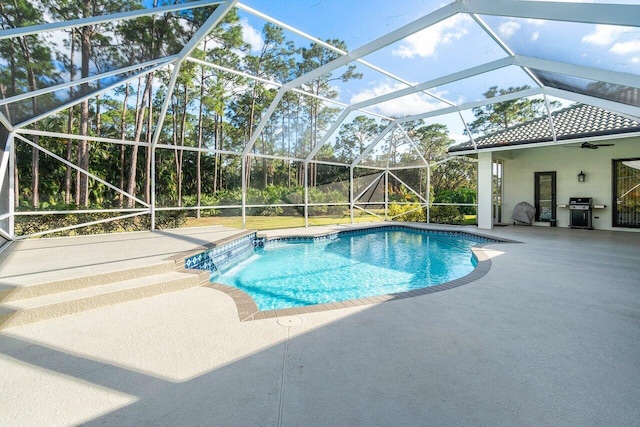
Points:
[(274, 222), (470, 220), (278, 222)]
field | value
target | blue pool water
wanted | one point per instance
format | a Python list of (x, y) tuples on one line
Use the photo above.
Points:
[(293, 274)]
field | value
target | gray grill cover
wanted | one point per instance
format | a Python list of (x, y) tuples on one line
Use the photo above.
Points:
[(524, 212)]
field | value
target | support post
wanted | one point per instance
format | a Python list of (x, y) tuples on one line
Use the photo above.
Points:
[(351, 193), (485, 190), (7, 200), (152, 202), (244, 191), (12, 187), (306, 194), (386, 194), (428, 194)]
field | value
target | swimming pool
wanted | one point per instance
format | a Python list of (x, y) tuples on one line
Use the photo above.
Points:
[(300, 272)]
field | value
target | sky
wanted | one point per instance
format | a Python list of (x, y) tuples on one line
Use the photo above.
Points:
[(453, 45)]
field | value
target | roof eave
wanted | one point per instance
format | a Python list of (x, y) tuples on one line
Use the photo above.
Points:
[(561, 141)]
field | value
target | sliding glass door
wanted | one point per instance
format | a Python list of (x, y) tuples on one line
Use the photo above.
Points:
[(626, 193)]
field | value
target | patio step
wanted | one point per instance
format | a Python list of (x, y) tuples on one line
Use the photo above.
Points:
[(83, 281), (18, 312)]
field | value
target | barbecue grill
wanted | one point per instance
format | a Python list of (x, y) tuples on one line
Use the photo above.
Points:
[(580, 209)]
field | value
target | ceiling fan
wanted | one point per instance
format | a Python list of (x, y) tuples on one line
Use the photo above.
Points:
[(589, 145), (594, 146)]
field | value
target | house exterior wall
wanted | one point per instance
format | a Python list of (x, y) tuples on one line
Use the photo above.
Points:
[(520, 166)]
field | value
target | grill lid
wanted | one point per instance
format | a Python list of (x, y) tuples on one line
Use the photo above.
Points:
[(580, 201)]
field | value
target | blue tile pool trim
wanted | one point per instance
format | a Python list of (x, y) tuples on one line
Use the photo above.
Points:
[(301, 239), (219, 257), (446, 233)]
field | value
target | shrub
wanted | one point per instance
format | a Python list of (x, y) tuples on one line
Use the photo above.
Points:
[(327, 197), (31, 224), (407, 212), (445, 215), (461, 195), (205, 200)]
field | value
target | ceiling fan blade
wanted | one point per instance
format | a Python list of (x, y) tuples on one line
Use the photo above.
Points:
[(588, 145)]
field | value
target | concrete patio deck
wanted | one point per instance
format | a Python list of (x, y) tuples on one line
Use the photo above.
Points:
[(549, 336)]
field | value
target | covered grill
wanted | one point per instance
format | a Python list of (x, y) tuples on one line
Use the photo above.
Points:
[(523, 212)]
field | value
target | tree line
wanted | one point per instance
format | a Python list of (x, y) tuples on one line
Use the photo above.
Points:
[(209, 108)]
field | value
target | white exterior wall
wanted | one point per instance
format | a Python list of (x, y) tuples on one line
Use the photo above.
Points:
[(520, 165)]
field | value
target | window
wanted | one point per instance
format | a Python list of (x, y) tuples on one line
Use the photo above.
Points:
[(498, 191), (626, 193), (545, 196)]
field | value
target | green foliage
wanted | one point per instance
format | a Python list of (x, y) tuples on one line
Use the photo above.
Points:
[(432, 141), (325, 198), (400, 193), (460, 195), (269, 196), (446, 214), (205, 200), (354, 137), (34, 224), (502, 115), (229, 198), (30, 224), (412, 212), (165, 220)]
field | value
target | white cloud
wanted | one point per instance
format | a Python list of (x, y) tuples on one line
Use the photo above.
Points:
[(508, 29), (399, 107), (536, 22), (626, 48), (424, 43), (251, 36), (535, 36), (604, 35), (458, 137)]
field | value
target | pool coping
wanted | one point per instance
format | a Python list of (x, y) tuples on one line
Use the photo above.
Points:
[(248, 309)]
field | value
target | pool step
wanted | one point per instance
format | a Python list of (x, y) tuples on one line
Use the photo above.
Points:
[(16, 312)]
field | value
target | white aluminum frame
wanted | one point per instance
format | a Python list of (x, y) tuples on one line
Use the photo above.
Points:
[(608, 14)]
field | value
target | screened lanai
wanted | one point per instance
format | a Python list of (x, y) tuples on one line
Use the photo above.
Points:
[(139, 114)]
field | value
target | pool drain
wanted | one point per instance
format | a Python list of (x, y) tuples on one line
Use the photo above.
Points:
[(289, 322)]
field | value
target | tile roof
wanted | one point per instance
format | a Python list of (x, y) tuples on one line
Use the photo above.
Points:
[(576, 121)]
